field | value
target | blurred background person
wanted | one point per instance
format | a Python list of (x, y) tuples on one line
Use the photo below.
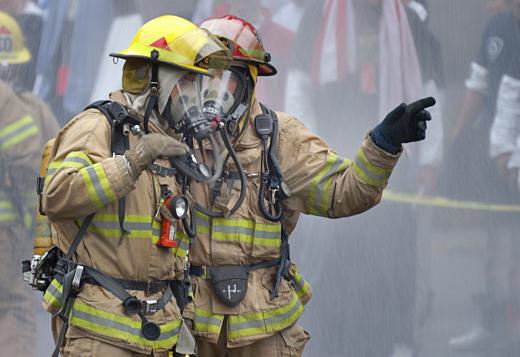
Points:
[(375, 267), (500, 45), (367, 52), (30, 18), (25, 124)]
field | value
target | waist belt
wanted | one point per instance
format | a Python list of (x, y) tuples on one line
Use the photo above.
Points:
[(80, 274), (149, 287), (205, 272)]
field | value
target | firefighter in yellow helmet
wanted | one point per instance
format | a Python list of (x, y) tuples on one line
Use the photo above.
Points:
[(248, 295), (25, 123), (116, 289)]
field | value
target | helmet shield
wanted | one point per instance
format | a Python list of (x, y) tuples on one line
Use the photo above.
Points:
[(195, 50), (223, 91)]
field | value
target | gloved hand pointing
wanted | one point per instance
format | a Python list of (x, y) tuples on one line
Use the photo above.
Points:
[(404, 124), (151, 147)]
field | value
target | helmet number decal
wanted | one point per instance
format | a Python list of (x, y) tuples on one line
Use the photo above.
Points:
[(6, 42)]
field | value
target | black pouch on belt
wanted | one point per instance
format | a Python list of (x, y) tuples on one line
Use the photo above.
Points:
[(230, 283)]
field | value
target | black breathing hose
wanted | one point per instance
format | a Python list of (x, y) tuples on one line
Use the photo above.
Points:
[(241, 174), (190, 227)]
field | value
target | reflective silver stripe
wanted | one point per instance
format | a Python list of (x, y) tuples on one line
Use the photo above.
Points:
[(128, 225), (183, 245), (156, 232), (4, 139), (370, 174), (54, 292), (298, 285), (202, 221), (77, 159), (7, 210), (207, 320), (320, 188), (265, 322), (97, 185), (120, 326), (246, 231)]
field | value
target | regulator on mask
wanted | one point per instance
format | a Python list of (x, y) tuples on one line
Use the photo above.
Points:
[(183, 113), (226, 97)]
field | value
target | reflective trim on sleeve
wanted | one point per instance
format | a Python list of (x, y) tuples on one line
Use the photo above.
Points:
[(7, 212), (98, 186), (17, 132), (75, 160), (121, 327), (368, 172), (320, 188), (53, 294), (207, 322), (301, 287)]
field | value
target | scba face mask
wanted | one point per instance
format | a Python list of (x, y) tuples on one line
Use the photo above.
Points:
[(224, 92), (184, 108)]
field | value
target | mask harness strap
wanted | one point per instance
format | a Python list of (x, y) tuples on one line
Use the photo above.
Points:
[(154, 90)]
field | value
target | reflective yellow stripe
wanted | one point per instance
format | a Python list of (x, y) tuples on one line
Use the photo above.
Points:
[(368, 172), (320, 187), (54, 293), (8, 212), (17, 132), (183, 244), (139, 226), (207, 322), (75, 159), (202, 223), (98, 186), (265, 322), (121, 327), (301, 287), (246, 231)]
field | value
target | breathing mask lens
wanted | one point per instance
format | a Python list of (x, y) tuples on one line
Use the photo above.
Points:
[(186, 107), (222, 92)]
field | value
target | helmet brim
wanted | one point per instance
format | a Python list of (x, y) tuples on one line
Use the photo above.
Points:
[(20, 57), (130, 56), (267, 70)]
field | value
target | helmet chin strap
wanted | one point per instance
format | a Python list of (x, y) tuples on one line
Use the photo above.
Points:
[(154, 91)]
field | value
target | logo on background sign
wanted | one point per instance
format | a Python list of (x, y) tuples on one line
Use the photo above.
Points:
[(495, 47), (6, 40)]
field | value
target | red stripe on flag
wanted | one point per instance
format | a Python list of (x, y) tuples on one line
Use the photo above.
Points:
[(341, 38)]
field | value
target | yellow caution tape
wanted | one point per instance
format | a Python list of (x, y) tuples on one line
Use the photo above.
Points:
[(436, 201)]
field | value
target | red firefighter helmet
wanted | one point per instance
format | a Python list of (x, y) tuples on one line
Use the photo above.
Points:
[(243, 40)]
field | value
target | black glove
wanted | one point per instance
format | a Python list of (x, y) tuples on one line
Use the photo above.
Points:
[(404, 124)]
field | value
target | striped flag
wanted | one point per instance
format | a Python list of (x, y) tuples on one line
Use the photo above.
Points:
[(335, 46)]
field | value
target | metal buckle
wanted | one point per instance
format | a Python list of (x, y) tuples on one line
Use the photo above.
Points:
[(76, 280), (205, 273), (150, 306)]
